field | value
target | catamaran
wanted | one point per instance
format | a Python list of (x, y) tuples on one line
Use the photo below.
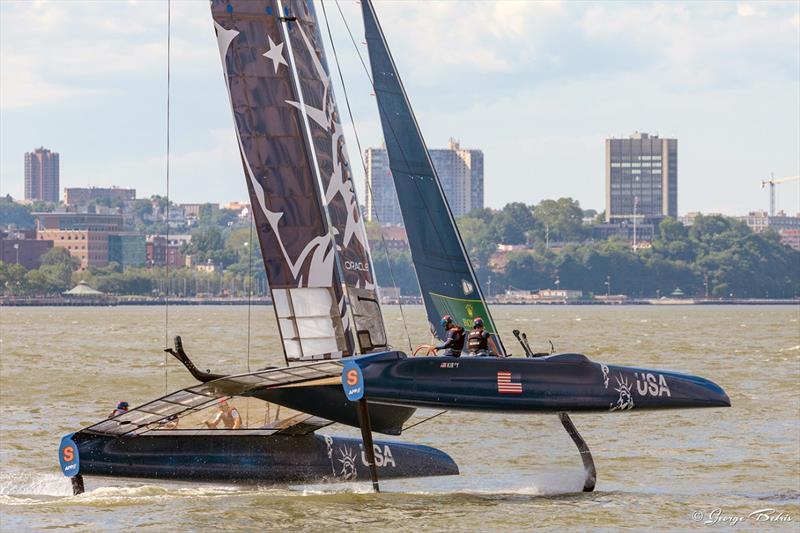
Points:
[(340, 367)]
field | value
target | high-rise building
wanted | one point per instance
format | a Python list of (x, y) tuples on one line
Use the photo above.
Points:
[(41, 175), (382, 205), (641, 178), (460, 172)]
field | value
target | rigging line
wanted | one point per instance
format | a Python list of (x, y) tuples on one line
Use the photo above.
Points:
[(166, 251), (470, 268), (399, 146), (440, 413), (364, 165), (249, 283)]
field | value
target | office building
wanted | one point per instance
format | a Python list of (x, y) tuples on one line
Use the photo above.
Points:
[(460, 171), (788, 227), (641, 178), (21, 247), (161, 252), (41, 175), (127, 249), (88, 245), (79, 221), (83, 196), (84, 235)]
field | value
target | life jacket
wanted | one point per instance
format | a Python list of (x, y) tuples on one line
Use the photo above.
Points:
[(456, 334), (477, 340), (229, 418)]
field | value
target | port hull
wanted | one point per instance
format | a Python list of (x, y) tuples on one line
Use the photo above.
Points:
[(272, 459)]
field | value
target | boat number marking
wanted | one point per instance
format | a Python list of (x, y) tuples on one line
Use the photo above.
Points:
[(448, 365)]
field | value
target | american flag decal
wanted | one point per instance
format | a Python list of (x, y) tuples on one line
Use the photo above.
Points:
[(508, 383)]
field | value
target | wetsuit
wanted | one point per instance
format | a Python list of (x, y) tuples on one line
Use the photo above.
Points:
[(478, 342), (454, 343)]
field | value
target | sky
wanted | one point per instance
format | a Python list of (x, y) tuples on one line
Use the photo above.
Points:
[(537, 86)]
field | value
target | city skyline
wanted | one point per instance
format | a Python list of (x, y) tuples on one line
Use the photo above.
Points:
[(540, 96)]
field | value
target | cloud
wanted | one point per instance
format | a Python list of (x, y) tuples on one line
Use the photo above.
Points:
[(58, 51), (536, 85)]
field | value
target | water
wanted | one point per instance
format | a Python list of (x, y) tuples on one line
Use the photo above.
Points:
[(63, 369)]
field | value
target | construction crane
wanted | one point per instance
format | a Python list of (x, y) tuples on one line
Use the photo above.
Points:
[(772, 182)]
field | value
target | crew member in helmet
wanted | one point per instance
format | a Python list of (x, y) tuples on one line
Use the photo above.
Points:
[(455, 337), (122, 408), (478, 339)]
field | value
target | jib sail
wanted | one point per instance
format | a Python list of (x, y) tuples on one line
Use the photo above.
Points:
[(446, 278), (302, 216)]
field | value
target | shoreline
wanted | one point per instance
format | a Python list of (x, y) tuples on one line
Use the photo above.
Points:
[(112, 301)]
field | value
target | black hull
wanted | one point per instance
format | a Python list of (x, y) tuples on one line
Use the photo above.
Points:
[(563, 382), (329, 402), (252, 459)]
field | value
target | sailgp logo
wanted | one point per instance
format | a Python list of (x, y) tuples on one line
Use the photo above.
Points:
[(467, 287), (356, 265)]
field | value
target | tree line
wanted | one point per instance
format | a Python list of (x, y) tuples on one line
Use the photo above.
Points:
[(716, 255)]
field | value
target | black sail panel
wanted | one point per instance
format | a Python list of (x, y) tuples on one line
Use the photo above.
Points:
[(297, 244), (334, 171), (447, 281)]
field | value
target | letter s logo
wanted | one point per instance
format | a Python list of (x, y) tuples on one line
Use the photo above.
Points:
[(69, 454), (352, 377)]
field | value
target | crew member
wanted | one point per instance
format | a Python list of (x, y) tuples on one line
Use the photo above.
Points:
[(455, 337), (478, 339), (170, 423), (227, 414), (122, 408)]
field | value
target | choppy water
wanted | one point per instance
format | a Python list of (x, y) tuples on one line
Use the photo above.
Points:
[(62, 369)]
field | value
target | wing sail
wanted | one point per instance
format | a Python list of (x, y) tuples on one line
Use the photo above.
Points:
[(296, 167), (297, 245), (332, 162), (446, 278)]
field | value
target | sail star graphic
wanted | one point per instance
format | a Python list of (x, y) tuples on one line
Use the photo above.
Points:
[(275, 54)]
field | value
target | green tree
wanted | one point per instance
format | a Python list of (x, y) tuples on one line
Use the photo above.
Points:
[(12, 279), (512, 224), (58, 256), (563, 218), (16, 215)]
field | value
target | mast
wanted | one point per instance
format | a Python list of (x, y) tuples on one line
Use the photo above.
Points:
[(447, 280), (325, 137), (300, 104)]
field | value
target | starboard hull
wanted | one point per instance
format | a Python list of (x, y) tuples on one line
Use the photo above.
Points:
[(563, 382), (274, 459)]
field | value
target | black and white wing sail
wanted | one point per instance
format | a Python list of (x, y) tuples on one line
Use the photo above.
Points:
[(298, 178)]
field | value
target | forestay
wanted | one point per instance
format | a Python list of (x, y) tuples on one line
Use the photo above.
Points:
[(446, 278), (298, 175)]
